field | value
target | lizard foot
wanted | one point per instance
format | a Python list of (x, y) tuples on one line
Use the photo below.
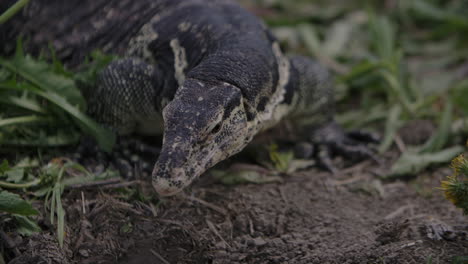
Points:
[(132, 155), (331, 139), (129, 155)]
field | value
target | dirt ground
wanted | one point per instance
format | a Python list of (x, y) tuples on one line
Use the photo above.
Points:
[(310, 217)]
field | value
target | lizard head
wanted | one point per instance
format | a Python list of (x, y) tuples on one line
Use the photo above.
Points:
[(203, 125)]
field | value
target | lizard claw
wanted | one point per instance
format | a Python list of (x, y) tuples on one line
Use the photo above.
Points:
[(324, 158), (355, 150), (139, 146), (127, 154), (133, 152), (364, 136), (332, 139)]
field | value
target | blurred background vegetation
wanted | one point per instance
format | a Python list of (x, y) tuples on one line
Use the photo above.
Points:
[(400, 65)]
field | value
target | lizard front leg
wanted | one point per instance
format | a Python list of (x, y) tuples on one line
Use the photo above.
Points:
[(127, 98), (311, 98)]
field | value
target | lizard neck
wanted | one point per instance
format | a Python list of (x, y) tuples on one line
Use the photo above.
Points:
[(274, 111)]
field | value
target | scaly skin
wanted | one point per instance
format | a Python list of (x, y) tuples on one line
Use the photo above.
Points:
[(209, 69)]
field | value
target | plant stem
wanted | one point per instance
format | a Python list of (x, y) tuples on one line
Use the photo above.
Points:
[(10, 185), (12, 10)]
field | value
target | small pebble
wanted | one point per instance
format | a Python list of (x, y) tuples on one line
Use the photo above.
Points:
[(259, 241), (84, 253)]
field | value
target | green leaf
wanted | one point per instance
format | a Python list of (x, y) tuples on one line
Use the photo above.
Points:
[(411, 163), (391, 127), (338, 37), (383, 37), (27, 163), (26, 226), (280, 160), (4, 167), (42, 75), (15, 175), (397, 90), (88, 76), (104, 137), (310, 38), (361, 69), (14, 204), (126, 228)]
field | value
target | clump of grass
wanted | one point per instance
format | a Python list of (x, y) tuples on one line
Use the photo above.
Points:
[(455, 186), (46, 182), (41, 105), (398, 60)]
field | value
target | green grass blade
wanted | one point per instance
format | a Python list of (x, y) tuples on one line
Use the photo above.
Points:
[(21, 120), (397, 90), (43, 77), (383, 37), (60, 215), (440, 138), (12, 10), (363, 68), (426, 9), (104, 137), (24, 103), (411, 163), (53, 205), (391, 127)]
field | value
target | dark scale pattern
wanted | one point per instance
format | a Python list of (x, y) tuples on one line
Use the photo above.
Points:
[(309, 91), (292, 86), (125, 95), (262, 103), (77, 27)]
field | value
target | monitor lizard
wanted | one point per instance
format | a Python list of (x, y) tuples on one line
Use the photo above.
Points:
[(207, 74)]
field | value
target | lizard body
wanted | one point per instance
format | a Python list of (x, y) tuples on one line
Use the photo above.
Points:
[(208, 70)]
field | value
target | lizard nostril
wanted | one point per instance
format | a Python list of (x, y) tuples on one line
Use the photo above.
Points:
[(216, 129)]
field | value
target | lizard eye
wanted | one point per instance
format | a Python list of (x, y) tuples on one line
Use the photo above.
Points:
[(207, 138)]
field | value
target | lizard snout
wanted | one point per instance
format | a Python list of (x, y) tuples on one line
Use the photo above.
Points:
[(170, 171), (167, 183)]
